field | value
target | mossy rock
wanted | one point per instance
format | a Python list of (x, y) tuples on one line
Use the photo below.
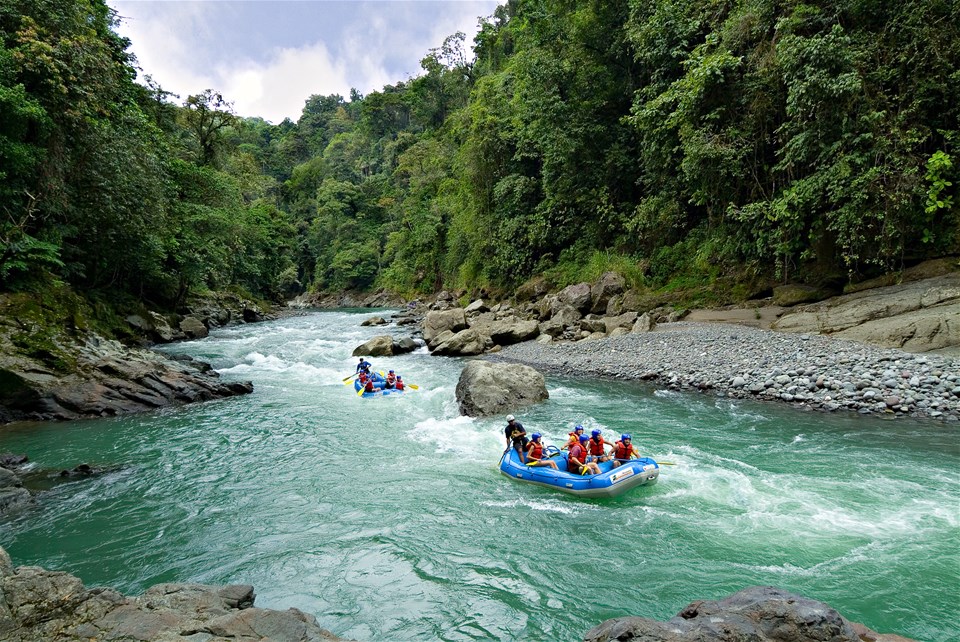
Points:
[(795, 294)]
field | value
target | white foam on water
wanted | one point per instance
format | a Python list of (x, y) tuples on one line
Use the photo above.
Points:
[(563, 392), (799, 438), (664, 393), (545, 505), (257, 362), (456, 435)]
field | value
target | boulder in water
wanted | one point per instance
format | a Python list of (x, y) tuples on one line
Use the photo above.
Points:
[(488, 388)]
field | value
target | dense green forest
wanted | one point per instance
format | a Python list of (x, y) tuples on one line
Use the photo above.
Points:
[(686, 144)]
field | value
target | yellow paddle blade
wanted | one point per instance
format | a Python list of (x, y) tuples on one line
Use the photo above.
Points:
[(360, 392), (413, 385), (665, 463)]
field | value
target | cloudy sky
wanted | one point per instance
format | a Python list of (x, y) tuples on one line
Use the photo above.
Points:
[(269, 56)]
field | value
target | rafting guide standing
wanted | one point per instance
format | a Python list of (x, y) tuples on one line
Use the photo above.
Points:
[(516, 436)]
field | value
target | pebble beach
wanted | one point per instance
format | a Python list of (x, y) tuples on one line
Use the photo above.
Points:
[(812, 372)]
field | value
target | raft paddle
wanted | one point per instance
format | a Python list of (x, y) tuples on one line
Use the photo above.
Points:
[(350, 377)]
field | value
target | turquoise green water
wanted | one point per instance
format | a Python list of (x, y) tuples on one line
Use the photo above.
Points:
[(387, 518)]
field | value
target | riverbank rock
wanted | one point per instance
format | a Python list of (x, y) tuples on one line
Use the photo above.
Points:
[(13, 495), (758, 614), (439, 321), (53, 374), (488, 388), (36, 604), (918, 316)]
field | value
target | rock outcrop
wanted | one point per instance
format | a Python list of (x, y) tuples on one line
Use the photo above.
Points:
[(88, 376), (36, 604), (488, 388), (918, 316), (758, 614)]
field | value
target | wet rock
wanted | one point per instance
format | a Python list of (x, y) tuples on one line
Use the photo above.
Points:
[(193, 328), (758, 614), (36, 604), (373, 321), (510, 331), (379, 346), (486, 388)]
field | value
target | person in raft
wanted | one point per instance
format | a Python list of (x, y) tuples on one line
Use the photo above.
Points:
[(535, 453), (399, 384), (364, 366), (624, 450), (573, 438), (596, 447), (391, 380), (368, 386), (517, 436), (577, 459)]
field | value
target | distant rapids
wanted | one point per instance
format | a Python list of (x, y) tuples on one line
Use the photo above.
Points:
[(387, 518)]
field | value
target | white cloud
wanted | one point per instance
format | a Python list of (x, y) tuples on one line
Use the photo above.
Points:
[(278, 87), (269, 57)]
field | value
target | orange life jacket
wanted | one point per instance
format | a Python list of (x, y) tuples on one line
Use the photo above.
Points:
[(369, 387), (623, 451), (596, 447), (399, 385), (535, 451)]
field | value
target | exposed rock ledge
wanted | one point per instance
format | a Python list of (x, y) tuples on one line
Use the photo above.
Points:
[(89, 376), (36, 604)]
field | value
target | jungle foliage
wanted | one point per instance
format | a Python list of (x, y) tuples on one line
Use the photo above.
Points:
[(675, 141)]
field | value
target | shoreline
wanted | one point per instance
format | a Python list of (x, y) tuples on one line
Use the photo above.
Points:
[(811, 372)]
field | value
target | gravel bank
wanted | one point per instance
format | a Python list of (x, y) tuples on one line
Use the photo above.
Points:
[(809, 371)]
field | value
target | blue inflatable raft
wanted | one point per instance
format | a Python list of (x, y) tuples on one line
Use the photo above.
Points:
[(609, 483), (378, 384)]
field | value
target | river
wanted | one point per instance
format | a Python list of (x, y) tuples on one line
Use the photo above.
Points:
[(387, 518)]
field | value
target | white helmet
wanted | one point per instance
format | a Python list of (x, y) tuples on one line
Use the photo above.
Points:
[(510, 417)]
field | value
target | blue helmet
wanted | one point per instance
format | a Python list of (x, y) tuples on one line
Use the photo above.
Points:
[(625, 436), (584, 438), (391, 372), (595, 432), (535, 436), (577, 428)]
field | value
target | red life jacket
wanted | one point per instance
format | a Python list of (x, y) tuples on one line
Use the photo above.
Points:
[(623, 451), (596, 447), (399, 385), (369, 387), (391, 379), (536, 450), (363, 377), (576, 451)]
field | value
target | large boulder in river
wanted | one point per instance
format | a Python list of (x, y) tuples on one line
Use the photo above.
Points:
[(384, 346), (36, 604), (438, 321), (488, 388), (757, 614)]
